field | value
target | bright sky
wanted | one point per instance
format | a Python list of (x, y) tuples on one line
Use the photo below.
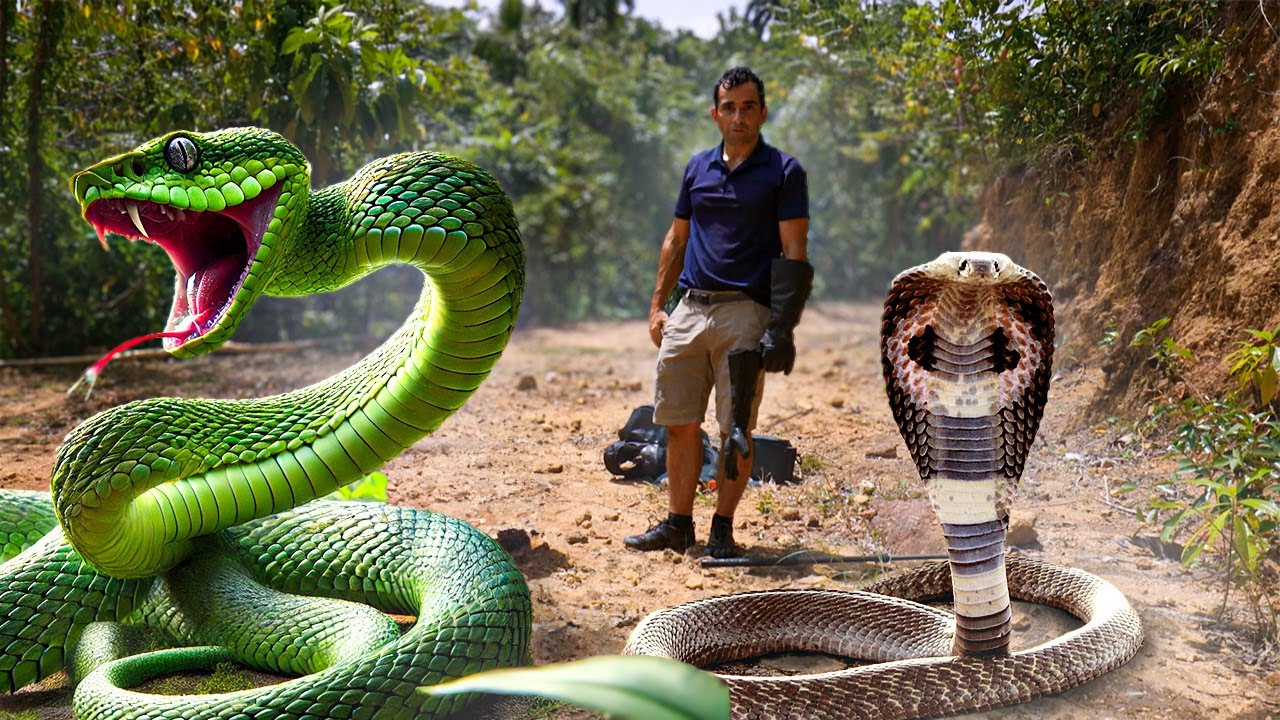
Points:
[(696, 15)]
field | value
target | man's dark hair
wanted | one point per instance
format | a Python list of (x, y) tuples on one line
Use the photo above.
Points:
[(732, 78)]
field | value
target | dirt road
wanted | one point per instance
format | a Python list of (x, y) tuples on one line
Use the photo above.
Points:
[(530, 460)]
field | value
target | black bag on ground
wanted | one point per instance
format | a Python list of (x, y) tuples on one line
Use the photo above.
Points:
[(641, 453), (641, 450)]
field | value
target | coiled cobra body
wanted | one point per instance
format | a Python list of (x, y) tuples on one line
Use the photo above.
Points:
[(191, 516), (966, 345)]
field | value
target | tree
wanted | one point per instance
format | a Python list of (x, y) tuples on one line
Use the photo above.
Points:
[(582, 14), (49, 14)]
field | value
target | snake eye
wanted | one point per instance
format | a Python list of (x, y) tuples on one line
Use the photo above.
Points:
[(995, 267), (964, 267), (181, 154)]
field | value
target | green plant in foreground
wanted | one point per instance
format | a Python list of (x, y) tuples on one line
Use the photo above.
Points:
[(632, 687)]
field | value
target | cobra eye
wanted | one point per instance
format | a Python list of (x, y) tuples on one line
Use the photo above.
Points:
[(181, 154), (964, 266), (995, 268)]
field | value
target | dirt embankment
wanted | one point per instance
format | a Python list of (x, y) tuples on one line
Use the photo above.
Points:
[(1183, 225)]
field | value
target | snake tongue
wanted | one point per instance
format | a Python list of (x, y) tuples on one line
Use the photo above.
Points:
[(210, 287)]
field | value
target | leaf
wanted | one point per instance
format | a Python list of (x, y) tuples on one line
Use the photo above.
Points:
[(633, 687), (1264, 507), (296, 39), (1245, 546), (1266, 379)]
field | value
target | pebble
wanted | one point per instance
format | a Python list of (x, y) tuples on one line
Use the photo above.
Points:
[(791, 514), (550, 469), (576, 539), (583, 518), (836, 402), (888, 453), (527, 382), (1273, 679), (611, 516), (694, 582), (862, 499), (1022, 529)]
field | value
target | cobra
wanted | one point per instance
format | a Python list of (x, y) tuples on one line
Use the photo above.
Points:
[(177, 514), (966, 348)]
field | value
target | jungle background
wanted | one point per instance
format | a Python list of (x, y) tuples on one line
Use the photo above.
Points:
[(1128, 152)]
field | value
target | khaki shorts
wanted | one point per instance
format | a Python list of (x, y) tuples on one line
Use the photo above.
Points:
[(694, 357)]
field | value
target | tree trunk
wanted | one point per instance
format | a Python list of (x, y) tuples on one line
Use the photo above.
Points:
[(8, 321), (49, 16), (6, 17)]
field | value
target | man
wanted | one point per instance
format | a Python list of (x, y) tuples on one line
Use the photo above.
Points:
[(737, 247)]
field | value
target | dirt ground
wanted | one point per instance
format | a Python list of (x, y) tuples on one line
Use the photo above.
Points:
[(525, 454)]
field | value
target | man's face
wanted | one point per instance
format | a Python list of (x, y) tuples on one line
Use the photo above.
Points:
[(739, 114)]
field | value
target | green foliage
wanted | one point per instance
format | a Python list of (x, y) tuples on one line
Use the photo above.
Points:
[(899, 111), (353, 83), (370, 488), (1224, 497), (811, 462), (1255, 364), (766, 503), (914, 105), (1109, 337), (1167, 356), (632, 687)]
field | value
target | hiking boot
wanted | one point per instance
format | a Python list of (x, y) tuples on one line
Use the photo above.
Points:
[(720, 544), (663, 535)]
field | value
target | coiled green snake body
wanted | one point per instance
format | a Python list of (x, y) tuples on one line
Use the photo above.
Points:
[(179, 514)]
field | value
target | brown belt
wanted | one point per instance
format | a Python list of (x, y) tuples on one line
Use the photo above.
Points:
[(714, 297)]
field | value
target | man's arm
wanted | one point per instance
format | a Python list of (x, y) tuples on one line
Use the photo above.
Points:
[(795, 238), (670, 265)]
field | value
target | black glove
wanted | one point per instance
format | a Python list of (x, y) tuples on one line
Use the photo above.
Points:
[(744, 372), (790, 283)]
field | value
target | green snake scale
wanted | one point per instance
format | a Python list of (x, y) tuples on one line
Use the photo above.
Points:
[(966, 345), (194, 516)]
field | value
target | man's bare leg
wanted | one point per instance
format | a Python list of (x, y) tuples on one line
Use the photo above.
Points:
[(728, 494), (684, 465)]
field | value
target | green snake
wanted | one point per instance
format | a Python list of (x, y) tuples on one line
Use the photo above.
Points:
[(191, 516)]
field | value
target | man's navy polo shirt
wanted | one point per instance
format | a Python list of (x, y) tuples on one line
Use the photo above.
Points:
[(733, 228)]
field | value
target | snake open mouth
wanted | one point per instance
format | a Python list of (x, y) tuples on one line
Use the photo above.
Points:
[(211, 252)]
